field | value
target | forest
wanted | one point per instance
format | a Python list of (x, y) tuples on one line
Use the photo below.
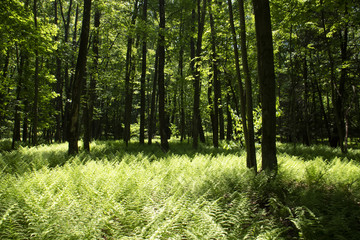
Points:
[(179, 119)]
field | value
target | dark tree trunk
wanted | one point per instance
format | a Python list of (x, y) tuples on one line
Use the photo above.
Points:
[(66, 112), (306, 132), (16, 130), (59, 85), (162, 113), (238, 77), (229, 131), (78, 84), (221, 116), (143, 77), (25, 122), (151, 129), (36, 86), (90, 95), (336, 92), (215, 82), (340, 94), (2, 95), (182, 103), (129, 80), (266, 77), (250, 155), (197, 88)]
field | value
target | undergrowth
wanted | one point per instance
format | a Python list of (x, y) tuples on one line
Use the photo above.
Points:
[(140, 192)]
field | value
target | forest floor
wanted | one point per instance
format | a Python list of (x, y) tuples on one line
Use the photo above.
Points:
[(139, 192)]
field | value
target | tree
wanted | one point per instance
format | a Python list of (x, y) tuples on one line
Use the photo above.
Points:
[(215, 82), (266, 77), (250, 155), (143, 76), (241, 88), (36, 85), (196, 72), (90, 94), (78, 84), (129, 74), (162, 114)]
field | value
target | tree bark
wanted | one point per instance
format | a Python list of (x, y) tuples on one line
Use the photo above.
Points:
[(59, 84), (182, 83), (250, 155), (266, 75), (90, 95), (78, 83), (238, 77), (143, 76), (151, 129), (36, 85), (215, 82), (197, 88), (17, 124), (129, 80), (162, 113)]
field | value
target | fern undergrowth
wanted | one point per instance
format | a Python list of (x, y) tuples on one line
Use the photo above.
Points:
[(140, 192)]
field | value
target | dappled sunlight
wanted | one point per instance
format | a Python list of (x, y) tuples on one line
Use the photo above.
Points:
[(143, 193)]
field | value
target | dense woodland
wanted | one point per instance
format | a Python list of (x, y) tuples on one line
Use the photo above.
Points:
[(200, 70), (173, 103)]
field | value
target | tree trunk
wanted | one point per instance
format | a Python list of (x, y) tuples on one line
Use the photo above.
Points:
[(91, 92), (66, 112), (229, 131), (250, 155), (337, 93), (151, 129), (36, 85), (266, 74), (78, 84), (143, 76), (59, 85), (306, 132), (197, 88), (162, 113), (215, 82), (238, 77), (182, 82), (129, 80)]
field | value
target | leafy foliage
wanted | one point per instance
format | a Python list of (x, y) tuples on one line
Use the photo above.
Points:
[(143, 193)]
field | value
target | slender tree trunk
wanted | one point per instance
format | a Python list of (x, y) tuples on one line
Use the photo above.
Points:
[(216, 82), (229, 131), (2, 95), (129, 80), (306, 133), (162, 113), (25, 122), (336, 93), (66, 81), (78, 84), (251, 155), (36, 85), (59, 84), (221, 115), (143, 77), (266, 74), (153, 100), (340, 96), (197, 88), (16, 129), (238, 76), (182, 103), (90, 94)]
